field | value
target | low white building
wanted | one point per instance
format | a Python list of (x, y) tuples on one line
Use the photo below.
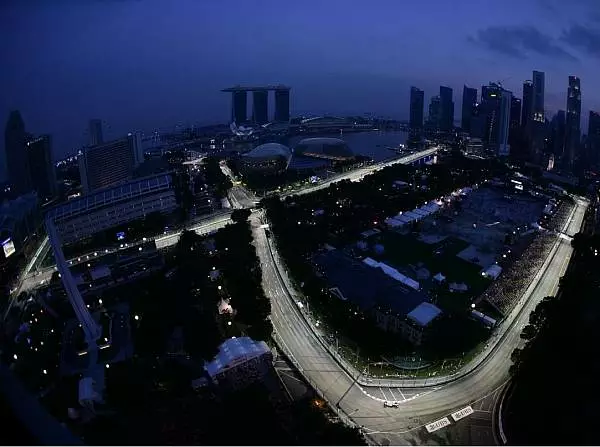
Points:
[(240, 362), (418, 320), (492, 272)]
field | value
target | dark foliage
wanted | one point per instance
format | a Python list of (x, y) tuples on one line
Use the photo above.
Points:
[(555, 373)]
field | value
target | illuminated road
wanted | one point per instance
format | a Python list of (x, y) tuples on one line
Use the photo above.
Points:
[(359, 174), (419, 404), (35, 279)]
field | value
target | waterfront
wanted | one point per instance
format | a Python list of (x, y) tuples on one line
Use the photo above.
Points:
[(372, 144)]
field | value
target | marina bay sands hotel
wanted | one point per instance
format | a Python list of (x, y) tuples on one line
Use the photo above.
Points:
[(260, 103)]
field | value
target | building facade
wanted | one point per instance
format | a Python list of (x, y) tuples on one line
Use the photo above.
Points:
[(491, 97), (240, 362), (111, 163), (504, 123), (573, 122), (446, 109), (282, 106), (96, 136), (433, 118), (526, 110), (260, 107), (594, 138), (469, 102), (515, 114), (417, 105), (92, 213), (41, 167), (537, 103)]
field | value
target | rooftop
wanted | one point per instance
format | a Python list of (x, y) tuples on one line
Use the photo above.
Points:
[(234, 351), (239, 88), (424, 314), (365, 286), (111, 196)]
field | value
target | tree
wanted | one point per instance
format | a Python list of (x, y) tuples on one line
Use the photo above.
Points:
[(239, 216)]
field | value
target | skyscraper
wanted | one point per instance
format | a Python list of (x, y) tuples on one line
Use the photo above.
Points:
[(446, 109), (504, 123), (526, 110), (109, 163), (260, 106), (573, 125), (537, 103), (282, 105), (41, 167), (558, 134), (515, 113), (16, 156), (594, 138), (239, 106), (417, 105), (469, 101), (491, 96), (96, 136), (433, 118)]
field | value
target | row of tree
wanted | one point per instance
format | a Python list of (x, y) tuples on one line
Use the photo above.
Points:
[(555, 374)]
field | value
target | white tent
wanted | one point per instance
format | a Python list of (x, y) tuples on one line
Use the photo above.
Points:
[(439, 277), (493, 271)]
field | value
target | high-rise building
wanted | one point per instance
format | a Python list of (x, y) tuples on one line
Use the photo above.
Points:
[(110, 163), (260, 106), (41, 167), (558, 131), (446, 109), (96, 136), (433, 118), (239, 106), (515, 113), (537, 104), (417, 104), (16, 155), (504, 123), (491, 97), (594, 138), (526, 110), (282, 105), (573, 125), (469, 101)]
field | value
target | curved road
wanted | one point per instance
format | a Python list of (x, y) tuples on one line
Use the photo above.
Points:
[(418, 406)]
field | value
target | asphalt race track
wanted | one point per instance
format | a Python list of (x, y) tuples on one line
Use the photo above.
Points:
[(419, 405)]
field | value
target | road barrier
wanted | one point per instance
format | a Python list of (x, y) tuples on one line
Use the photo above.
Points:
[(428, 382)]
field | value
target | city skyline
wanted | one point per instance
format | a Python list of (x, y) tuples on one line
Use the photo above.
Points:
[(155, 80)]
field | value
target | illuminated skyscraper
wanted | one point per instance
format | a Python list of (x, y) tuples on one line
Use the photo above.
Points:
[(537, 104)]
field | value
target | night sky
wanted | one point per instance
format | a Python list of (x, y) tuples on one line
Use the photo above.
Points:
[(150, 64)]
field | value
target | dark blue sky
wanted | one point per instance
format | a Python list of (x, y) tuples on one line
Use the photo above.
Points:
[(149, 64)]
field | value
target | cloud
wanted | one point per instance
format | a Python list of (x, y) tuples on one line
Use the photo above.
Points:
[(583, 38), (519, 42)]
